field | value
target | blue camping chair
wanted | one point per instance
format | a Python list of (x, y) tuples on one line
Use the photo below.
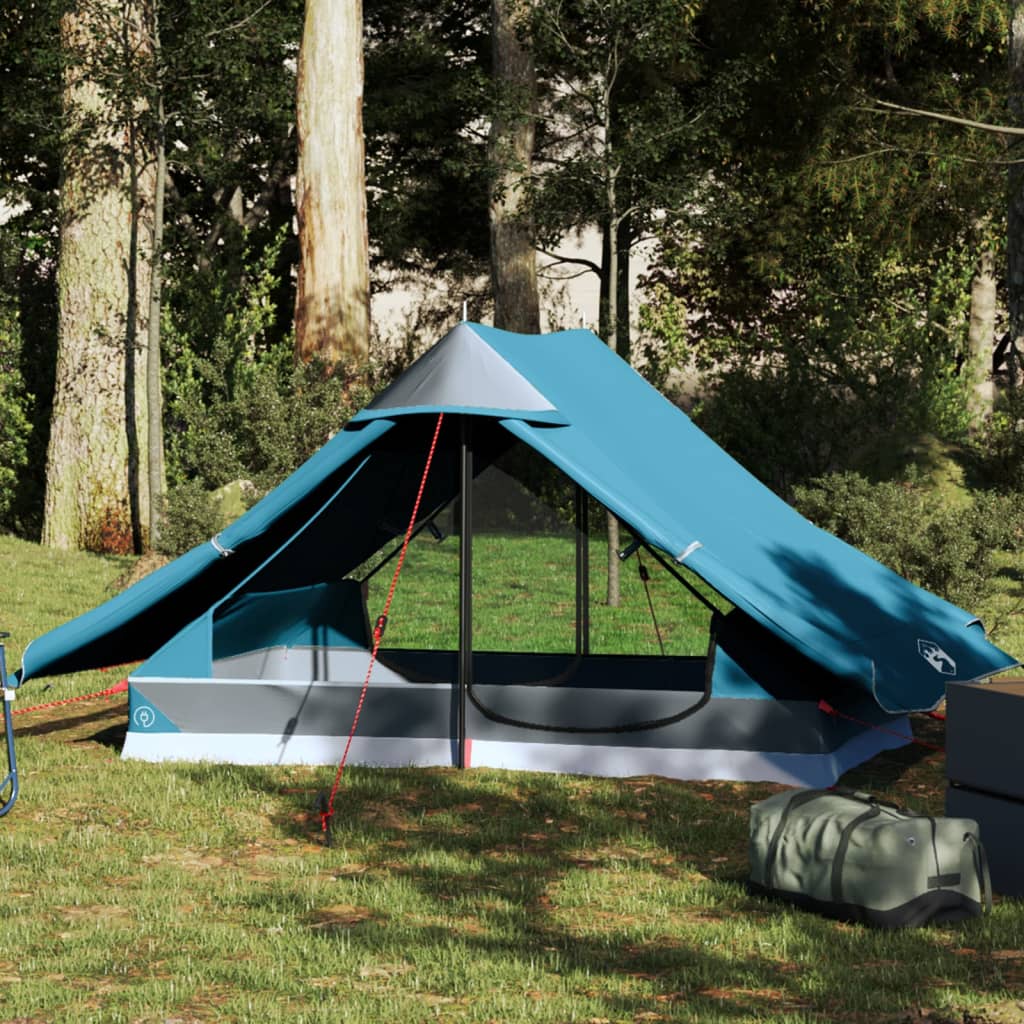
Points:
[(10, 783)]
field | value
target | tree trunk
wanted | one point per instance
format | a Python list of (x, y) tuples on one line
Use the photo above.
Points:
[(981, 339), (513, 258), (1015, 193), (332, 305), (154, 387), (611, 276), (624, 243), (136, 416), (105, 209)]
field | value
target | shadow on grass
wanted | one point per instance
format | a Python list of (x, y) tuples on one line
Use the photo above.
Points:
[(72, 721), (1011, 573), (917, 764), (113, 738), (485, 868), (530, 870)]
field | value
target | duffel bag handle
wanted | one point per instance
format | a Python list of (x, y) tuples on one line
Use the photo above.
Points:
[(868, 798), (981, 866)]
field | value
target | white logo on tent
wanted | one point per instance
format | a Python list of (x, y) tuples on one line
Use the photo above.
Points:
[(936, 657), (144, 716)]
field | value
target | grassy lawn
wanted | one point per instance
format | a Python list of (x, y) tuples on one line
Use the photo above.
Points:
[(525, 599), (193, 893)]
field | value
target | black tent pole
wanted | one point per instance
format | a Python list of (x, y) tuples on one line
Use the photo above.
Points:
[(465, 677), (582, 571)]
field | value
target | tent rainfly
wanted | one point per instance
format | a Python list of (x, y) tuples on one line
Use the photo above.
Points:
[(255, 644)]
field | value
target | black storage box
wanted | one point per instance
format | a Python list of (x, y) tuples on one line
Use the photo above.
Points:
[(985, 770)]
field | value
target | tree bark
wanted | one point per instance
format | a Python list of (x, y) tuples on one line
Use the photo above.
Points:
[(105, 210), (611, 274), (1015, 194), (154, 387), (513, 257), (623, 333), (981, 339), (332, 306)]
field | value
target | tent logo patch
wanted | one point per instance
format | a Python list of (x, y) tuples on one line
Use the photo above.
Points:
[(144, 716), (936, 657)]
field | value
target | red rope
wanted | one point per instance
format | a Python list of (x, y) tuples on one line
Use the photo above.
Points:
[(823, 705), (111, 691), (378, 629)]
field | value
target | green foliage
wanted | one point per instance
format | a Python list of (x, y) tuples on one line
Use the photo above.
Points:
[(426, 96), (30, 121), (238, 407), (857, 347), (272, 417), (15, 428), (821, 278), (626, 108), (631, 125), (190, 517), (228, 79), (946, 549), (999, 449), (665, 337)]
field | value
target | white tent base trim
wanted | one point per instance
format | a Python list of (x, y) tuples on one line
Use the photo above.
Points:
[(814, 770)]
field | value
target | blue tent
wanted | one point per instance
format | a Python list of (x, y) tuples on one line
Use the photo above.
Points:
[(830, 620)]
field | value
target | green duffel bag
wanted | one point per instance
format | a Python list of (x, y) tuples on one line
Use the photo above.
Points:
[(853, 857)]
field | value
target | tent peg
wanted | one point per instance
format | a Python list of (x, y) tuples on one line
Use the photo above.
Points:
[(323, 809)]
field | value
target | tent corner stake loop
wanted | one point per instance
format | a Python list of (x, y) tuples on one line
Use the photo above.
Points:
[(221, 550), (690, 548), (630, 550)]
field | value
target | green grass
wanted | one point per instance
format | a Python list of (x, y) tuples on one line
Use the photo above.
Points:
[(1003, 610), (525, 599), (191, 893)]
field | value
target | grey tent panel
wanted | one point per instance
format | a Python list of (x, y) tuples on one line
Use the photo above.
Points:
[(463, 372)]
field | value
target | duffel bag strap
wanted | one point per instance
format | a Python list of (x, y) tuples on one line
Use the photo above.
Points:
[(843, 846), (868, 798), (981, 866), (797, 800)]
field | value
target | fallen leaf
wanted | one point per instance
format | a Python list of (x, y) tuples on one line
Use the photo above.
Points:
[(341, 916)]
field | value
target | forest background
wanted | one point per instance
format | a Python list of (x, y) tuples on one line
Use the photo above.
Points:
[(201, 203)]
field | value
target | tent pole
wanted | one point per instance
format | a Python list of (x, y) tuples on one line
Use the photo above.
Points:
[(685, 582), (582, 571), (465, 677)]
